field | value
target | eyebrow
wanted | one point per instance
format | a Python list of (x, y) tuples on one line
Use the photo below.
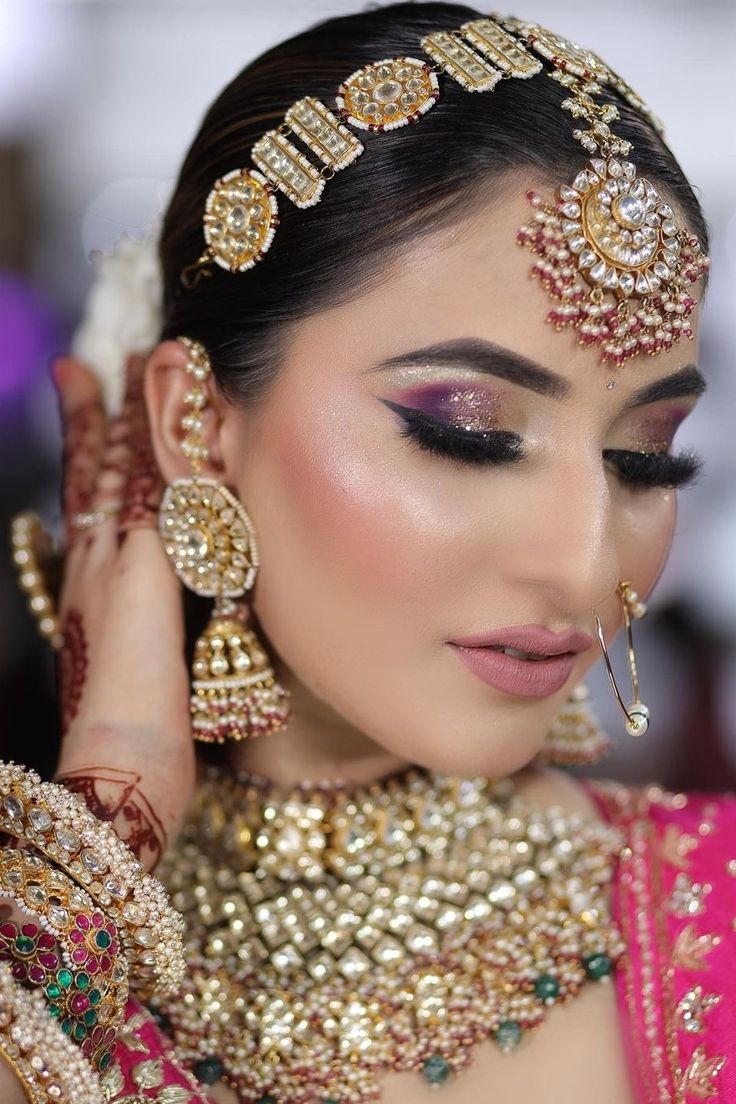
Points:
[(483, 356), (688, 381), (495, 360)]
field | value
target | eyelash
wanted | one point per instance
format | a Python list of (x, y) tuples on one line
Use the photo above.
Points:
[(638, 470)]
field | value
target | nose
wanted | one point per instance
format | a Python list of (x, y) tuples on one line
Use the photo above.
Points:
[(570, 549)]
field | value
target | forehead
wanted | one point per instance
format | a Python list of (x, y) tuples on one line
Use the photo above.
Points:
[(471, 280)]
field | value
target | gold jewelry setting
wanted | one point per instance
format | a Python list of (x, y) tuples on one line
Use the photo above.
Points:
[(33, 558), (211, 543), (334, 935), (59, 825), (575, 735), (49, 1065), (208, 537), (608, 247), (388, 94), (241, 216)]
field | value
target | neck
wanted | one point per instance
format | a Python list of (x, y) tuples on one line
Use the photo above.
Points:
[(317, 745)]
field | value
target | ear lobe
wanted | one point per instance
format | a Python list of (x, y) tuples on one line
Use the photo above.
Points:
[(166, 386)]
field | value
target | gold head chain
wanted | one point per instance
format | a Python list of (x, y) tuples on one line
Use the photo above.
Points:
[(607, 246)]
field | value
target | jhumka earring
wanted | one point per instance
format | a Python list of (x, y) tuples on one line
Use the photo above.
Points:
[(210, 540), (637, 714), (575, 736)]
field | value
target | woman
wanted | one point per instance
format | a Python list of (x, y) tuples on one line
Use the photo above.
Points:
[(450, 505)]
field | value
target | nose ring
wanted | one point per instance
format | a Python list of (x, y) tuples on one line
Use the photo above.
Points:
[(637, 713)]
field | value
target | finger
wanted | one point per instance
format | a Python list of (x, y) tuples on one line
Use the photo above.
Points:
[(84, 424), (107, 497), (144, 485)]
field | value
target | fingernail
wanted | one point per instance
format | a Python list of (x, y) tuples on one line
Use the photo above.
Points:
[(61, 369)]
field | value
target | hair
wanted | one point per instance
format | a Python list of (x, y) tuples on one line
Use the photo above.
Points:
[(406, 184)]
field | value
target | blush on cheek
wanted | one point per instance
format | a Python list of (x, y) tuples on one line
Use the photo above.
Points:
[(648, 540), (345, 511), (669, 502)]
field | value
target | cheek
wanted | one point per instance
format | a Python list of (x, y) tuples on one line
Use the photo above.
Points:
[(344, 524), (371, 518), (648, 537)]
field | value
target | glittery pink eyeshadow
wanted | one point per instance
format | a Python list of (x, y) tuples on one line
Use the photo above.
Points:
[(468, 407), (654, 433)]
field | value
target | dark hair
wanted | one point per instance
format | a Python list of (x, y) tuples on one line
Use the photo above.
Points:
[(406, 183)]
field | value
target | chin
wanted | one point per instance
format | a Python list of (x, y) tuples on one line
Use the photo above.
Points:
[(472, 753)]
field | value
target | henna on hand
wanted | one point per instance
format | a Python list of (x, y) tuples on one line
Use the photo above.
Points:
[(144, 485), (72, 670), (115, 796), (83, 438)]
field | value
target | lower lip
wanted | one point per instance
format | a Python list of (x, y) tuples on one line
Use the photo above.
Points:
[(528, 678)]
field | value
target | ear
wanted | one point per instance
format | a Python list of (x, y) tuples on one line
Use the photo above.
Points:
[(166, 386)]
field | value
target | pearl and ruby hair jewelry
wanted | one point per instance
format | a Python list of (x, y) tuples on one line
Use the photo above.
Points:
[(607, 247)]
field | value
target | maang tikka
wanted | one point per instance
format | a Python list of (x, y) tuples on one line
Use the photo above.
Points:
[(608, 249), (209, 538)]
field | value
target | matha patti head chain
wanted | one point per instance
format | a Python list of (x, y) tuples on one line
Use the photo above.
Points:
[(607, 247)]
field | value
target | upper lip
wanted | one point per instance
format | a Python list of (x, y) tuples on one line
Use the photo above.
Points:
[(530, 638)]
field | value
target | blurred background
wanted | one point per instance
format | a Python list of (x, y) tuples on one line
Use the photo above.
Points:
[(99, 100)]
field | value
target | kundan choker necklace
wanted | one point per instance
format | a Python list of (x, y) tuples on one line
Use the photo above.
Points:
[(335, 935)]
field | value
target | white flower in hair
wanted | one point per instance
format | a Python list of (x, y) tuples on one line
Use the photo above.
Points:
[(123, 312)]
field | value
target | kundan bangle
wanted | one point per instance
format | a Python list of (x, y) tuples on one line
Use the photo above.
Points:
[(59, 824), (88, 939), (69, 950), (50, 1068)]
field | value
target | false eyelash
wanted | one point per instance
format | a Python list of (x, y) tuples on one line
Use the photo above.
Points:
[(644, 470), (637, 470), (494, 446)]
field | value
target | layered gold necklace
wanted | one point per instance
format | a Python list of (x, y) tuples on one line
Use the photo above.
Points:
[(335, 935)]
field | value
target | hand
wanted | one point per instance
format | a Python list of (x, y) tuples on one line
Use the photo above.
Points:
[(127, 746)]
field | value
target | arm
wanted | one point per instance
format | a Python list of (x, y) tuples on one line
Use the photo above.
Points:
[(127, 747)]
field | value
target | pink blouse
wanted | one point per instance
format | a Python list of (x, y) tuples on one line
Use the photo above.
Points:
[(674, 898)]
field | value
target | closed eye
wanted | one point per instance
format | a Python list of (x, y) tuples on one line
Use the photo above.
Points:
[(654, 469), (493, 446), (636, 470)]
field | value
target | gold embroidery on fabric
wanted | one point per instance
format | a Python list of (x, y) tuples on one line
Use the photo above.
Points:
[(173, 1094), (149, 1074), (693, 1006), (676, 847), (688, 897), (699, 1077), (656, 951), (664, 949), (128, 1039), (112, 1081), (631, 807), (691, 948)]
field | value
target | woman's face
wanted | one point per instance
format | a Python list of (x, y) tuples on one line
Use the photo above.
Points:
[(376, 552)]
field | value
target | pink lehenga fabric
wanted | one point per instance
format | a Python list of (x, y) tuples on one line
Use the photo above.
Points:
[(674, 898), (675, 901)]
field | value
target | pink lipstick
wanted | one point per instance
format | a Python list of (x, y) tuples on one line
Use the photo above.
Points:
[(526, 660)]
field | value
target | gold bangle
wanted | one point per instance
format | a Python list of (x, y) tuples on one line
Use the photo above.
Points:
[(31, 547), (50, 1068), (88, 981), (59, 825)]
